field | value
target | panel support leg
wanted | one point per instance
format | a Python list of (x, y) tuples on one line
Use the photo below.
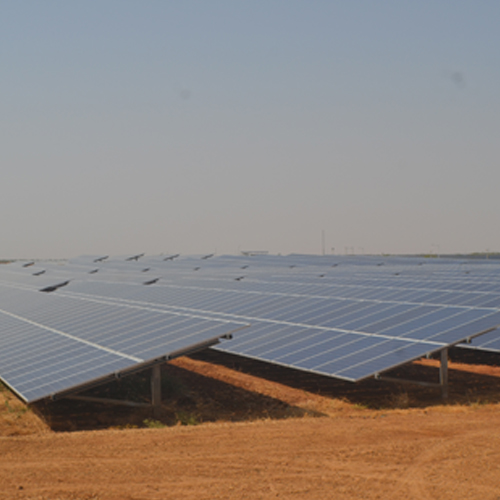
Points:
[(156, 390), (443, 373)]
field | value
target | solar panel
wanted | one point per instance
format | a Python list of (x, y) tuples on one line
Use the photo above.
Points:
[(487, 342), (358, 320), (51, 343), (349, 317)]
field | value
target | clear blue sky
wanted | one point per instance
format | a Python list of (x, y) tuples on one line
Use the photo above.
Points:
[(202, 126)]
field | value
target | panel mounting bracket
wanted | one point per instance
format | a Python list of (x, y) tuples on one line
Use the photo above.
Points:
[(155, 395), (443, 377)]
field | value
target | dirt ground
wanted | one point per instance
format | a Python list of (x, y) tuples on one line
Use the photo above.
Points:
[(231, 428)]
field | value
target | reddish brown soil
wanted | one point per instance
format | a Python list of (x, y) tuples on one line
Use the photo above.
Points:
[(264, 433)]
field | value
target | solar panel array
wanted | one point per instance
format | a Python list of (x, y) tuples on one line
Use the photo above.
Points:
[(51, 343), (347, 317)]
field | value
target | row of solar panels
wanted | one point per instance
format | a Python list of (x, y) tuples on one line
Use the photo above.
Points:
[(350, 317)]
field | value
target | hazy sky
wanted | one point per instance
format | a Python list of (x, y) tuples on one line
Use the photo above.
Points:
[(202, 126)]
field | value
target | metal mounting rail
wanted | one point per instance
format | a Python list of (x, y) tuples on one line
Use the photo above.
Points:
[(109, 401)]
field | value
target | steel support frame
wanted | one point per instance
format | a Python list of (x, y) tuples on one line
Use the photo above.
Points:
[(119, 402), (443, 377), (69, 393), (443, 374), (156, 390), (155, 395)]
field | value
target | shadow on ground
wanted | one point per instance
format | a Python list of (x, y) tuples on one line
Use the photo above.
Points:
[(465, 387), (188, 398)]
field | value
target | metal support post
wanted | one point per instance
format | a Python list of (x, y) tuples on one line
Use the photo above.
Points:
[(156, 390), (443, 373)]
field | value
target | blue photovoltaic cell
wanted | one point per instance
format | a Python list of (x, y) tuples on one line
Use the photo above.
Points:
[(36, 362), (349, 317), (51, 343), (394, 356), (488, 342), (362, 300)]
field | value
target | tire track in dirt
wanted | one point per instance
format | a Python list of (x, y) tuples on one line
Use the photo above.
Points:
[(452, 456)]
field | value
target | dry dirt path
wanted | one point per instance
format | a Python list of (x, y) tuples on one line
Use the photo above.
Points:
[(443, 453)]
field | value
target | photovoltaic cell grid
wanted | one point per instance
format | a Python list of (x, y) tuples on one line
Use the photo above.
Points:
[(350, 319), (347, 317), (51, 343)]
